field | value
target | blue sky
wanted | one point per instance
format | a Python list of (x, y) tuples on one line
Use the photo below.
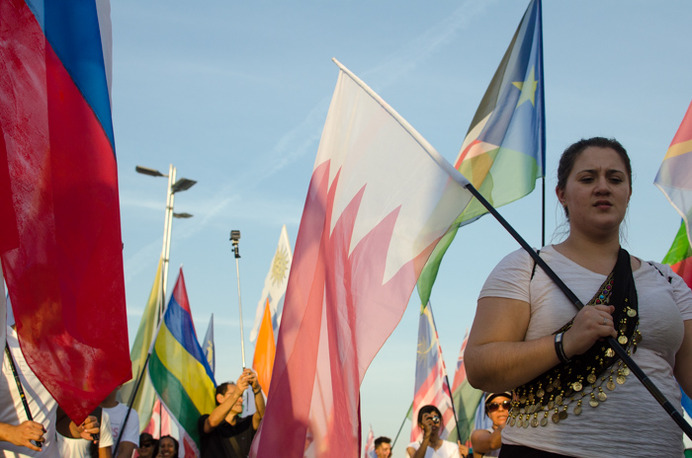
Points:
[(235, 94)]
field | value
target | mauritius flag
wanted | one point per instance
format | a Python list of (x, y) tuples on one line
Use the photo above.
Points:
[(179, 370), (60, 239), (503, 152)]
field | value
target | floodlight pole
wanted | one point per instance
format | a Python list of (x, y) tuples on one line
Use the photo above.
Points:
[(174, 186)]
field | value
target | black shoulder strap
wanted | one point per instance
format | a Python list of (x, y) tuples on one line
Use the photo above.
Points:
[(669, 278), (533, 270)]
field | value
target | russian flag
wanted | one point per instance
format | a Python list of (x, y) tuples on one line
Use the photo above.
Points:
[(61, 246)]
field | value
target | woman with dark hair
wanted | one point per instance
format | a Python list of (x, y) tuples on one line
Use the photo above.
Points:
[(168, 447), (572, 395), (430, 420)]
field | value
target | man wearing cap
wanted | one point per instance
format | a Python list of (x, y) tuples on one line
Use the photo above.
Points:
[(487, 442)]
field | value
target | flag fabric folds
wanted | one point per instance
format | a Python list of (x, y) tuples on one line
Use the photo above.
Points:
[(369, 448), (208, 345), (504, 150), (674, 177), (379, 199), (265, 351), (679, 257), (178, 369), (61, 244), (274, 286), (430, 385), (143, 403), (465, 398)]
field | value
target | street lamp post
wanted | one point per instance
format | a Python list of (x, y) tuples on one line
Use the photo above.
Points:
[(174, 186)]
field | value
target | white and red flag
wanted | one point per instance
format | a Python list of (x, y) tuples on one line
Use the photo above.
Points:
[(379, 200)]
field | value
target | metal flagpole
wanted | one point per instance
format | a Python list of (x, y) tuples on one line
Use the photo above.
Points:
[(235, 238)]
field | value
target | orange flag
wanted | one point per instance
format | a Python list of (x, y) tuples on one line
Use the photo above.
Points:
[(265, 349)]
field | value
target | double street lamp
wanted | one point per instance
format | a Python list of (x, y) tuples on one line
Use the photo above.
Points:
[(174, 186)]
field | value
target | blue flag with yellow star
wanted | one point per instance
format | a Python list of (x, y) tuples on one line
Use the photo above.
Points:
[(504, 150)]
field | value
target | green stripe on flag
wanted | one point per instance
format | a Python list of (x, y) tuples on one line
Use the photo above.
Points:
[(680, 248), (175, 397)]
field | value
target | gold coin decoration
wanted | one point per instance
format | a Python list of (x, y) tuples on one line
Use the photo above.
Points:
[(549, 397)]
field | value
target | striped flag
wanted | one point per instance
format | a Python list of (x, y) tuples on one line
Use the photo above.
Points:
[(466, 398), (178, 369), (60, 239), (369, 448), (143, 403), (679, 257), (363, 238), (674, 176), (460, 372), (431, 386), (504, 150)]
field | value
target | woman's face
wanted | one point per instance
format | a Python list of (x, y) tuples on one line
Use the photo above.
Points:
[(597, 192), (146, 451), (498, 411), (166, 447)]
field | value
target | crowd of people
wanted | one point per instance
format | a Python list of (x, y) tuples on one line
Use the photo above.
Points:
[(49, 433), (555, 386)]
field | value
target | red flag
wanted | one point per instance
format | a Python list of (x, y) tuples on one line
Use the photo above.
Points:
[(65, 273), (265, 350), (379, 200)]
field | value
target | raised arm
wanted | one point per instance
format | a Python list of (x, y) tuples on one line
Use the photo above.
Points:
[(259, 399), (224, 408)]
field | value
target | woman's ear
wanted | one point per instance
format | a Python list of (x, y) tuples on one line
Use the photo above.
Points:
[(560, 193)]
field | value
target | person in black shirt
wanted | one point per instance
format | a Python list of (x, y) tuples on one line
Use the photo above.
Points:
[(223, 433)]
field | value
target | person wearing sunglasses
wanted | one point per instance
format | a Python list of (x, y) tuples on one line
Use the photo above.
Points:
[(487, 442), (432, 446)]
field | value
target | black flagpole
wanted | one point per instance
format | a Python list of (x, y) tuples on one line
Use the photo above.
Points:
[(648, 384)]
